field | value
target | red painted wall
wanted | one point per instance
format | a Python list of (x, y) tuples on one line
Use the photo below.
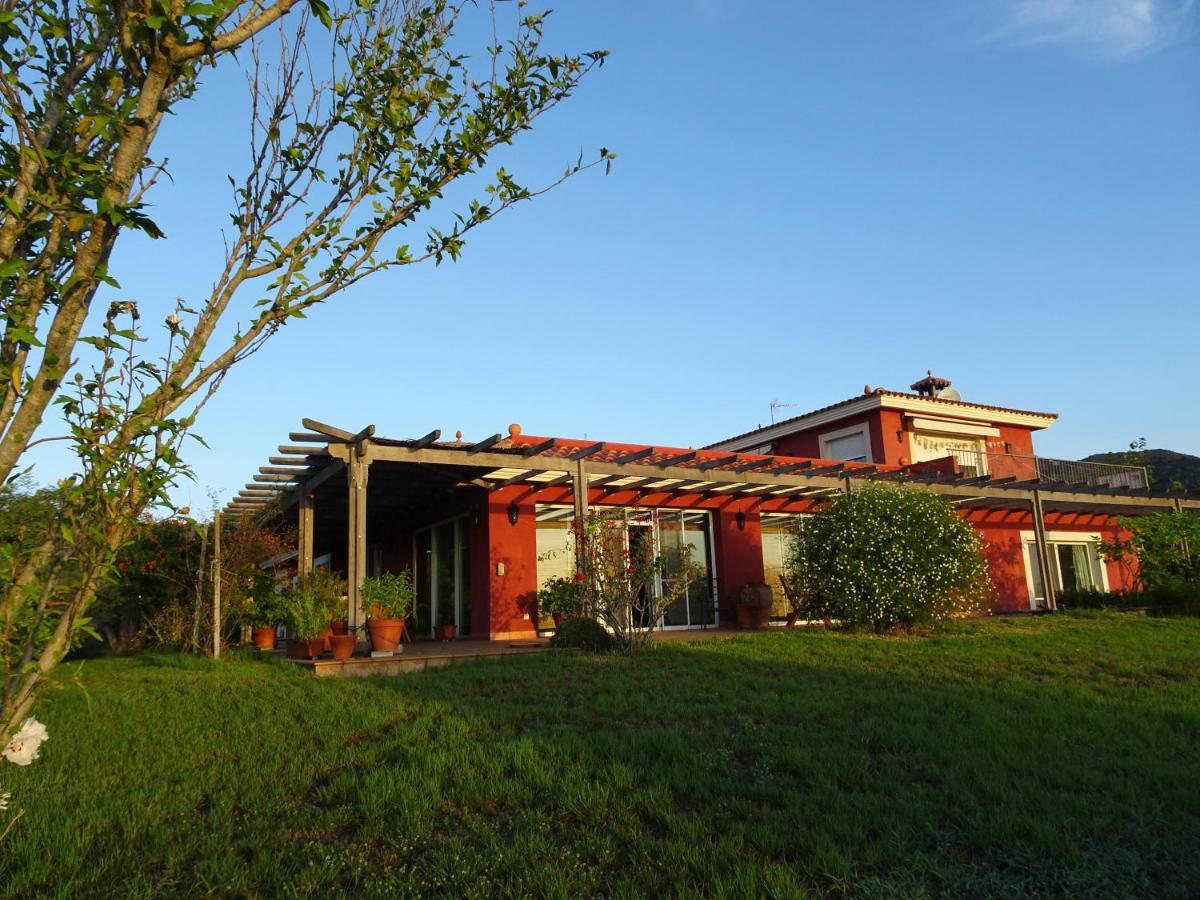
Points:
[(882, 424), (738, 556), (511, 596), (1001, 531)]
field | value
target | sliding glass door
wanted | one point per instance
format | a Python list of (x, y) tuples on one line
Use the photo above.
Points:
[(442, 556), (668, 531)]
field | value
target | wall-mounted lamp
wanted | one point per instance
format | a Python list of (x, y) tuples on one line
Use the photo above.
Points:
[(513, 512), (740, 519), (899, 435)]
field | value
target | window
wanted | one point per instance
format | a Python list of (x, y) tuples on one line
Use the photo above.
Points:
[(777, 531), (847, 445), (1074, 565)]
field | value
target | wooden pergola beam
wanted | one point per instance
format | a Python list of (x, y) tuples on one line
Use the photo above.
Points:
[(277, 479), (427, 439), (308, 437), (292, 450), (283, 470), (299, 461), (826, 470), (486, 443), (676, 460), (540, 447), (753, 464), (635, 455), (329, 431), (585, 452), (716, 463)]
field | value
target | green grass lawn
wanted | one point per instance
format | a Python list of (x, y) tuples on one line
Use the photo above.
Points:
[(1011, 757)]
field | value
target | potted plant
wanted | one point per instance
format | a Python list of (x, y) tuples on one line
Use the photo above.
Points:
[(388, 599), (754, 603), (307, 623), (262, 611), (445, 627), (559, 598)]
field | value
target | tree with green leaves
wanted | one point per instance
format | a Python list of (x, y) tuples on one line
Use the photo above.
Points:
[(361, 114)]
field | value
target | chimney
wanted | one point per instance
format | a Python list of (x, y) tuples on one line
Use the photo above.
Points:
[(930, 385)]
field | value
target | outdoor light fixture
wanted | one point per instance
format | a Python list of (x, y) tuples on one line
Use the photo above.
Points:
[(513, 512), (740, 518), (899, 435)]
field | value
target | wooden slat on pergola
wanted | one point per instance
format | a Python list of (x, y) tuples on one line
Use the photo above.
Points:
[(322, 452)]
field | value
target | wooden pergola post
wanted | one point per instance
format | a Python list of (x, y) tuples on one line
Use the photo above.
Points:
[(1183, 542), (304, 562), (216, 578), (357, 467), (1043, 550)]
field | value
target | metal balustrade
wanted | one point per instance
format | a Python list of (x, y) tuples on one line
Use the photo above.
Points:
[(1043, 468)]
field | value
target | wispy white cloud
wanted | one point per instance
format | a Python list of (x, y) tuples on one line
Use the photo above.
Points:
[(1116, 28)]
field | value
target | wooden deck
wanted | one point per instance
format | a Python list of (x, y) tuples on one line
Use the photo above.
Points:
[(421, 655), (418, 656)]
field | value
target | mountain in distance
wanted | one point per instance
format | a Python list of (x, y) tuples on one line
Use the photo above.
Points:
[(1166, 466)]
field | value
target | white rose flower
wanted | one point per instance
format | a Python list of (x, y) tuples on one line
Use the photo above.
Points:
[(23, 748)]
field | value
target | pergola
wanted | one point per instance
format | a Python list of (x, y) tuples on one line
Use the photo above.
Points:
[(323, 455)]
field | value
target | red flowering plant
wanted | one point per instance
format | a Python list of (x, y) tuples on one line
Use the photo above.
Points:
[(628, 584)]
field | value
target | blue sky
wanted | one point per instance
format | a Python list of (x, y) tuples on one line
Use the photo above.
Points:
[(809, 197)]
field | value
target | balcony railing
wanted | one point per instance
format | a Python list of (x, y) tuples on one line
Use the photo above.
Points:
[(1044, 468)]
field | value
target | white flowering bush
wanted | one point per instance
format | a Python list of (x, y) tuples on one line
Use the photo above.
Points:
[(886, 557)]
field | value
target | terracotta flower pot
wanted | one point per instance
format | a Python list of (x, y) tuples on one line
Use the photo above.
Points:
[(324, 637), (446, 632), (306, 649), (264, 637), (385, 633), (340, 626), (342, 645)]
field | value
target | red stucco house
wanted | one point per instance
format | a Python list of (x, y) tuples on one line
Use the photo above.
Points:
[(483, 523)]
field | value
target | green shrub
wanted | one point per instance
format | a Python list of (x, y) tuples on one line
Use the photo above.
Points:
[(264, 607), (583, 634), (324, 591), (390, 595), (560, 596), (305, 618), (884, 557)]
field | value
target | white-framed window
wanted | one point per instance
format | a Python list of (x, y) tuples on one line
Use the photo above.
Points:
[(1075, 564), (851, 444)]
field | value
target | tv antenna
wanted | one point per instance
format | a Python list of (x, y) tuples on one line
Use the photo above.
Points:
[(775, 404)]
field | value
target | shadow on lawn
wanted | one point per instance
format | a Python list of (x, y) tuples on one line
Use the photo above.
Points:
[(724, 768)]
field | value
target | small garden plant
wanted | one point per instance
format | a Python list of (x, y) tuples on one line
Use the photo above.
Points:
[(627, 585), (886, 557), (560, 596), (389, 595), (316, 600), (264, 606)]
